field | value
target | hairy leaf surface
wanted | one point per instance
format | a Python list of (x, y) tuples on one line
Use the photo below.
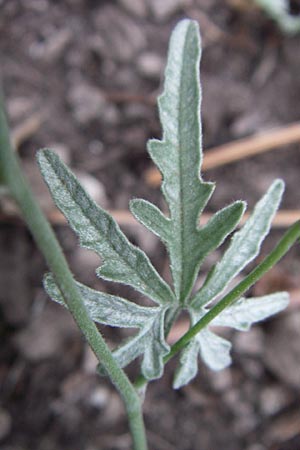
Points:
[(244, 247), (98, 231), (117, 312), (215, 350), (178, 157)]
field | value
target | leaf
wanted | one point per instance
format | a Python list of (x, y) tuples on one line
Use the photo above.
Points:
[(178, 157), (242, 314), (98, 231), (187, 368), (244, 247), (214, 350), (117, 312)]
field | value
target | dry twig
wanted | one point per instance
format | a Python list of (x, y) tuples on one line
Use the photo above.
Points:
[(240, 149)]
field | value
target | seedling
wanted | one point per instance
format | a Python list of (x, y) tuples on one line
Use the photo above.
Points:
[(178, 156)]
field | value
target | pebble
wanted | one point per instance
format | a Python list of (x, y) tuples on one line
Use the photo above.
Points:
[(53, 47), (20, 107), (90, 362), (88, 104), (222, 380), (282, 349), (136, 7), (99, 397), (93, 187), (62, 151), (119, 37), (250, 342), (162, 10), (46, 335), (150, 65), (273, 399), (5, 424)]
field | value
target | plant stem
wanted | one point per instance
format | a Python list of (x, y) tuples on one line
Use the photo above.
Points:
[(11, 175), (288, 239)]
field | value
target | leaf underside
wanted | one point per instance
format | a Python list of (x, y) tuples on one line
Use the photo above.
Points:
[(178, 156)]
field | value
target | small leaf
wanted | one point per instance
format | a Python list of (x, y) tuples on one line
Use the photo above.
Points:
[(105, 308), (242, 314), (214, 350), (98, 231), (188, 365), (117, 312), (244, 247)]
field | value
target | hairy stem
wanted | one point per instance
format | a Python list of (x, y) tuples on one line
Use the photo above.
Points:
[(12, 176), (288, 239)]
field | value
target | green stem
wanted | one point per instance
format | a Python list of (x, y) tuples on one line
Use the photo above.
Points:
[(288, 239), (11, 174)]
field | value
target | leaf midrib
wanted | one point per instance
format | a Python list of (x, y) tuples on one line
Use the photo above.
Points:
[(73, 197), (182, 297)]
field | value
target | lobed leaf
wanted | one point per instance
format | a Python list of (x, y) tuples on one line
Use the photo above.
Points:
[(179, 156), (98, 231), (242, 314), (214, 350), (244, 247), (117, 312)]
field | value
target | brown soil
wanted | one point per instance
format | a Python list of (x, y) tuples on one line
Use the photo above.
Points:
[(86, 73)]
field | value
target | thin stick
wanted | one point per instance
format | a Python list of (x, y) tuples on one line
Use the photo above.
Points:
[(27, 128), (240, 149), (283, 218)]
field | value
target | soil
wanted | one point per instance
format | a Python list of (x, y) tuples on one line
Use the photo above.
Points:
[(81, 77)]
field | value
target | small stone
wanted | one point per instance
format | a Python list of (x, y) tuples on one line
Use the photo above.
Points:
[(256, 447), (163, 10), (53, 47), (62, 151), (93, 187), (250, 343), (90, 362), (47, 335), (273, 399), (118, 38), (150, 65), (5, 424), (88, 104), (222, 380), (136, 7), (282, 349), (99, 398), (136, 111), (19, 107)]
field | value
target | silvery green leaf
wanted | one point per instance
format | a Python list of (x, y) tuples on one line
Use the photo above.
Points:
[(188, 365), (98, 231), (117, 312), (105, 308), (150, 342), (178, 157), (242, 314), (215, 350), (244, 246)]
